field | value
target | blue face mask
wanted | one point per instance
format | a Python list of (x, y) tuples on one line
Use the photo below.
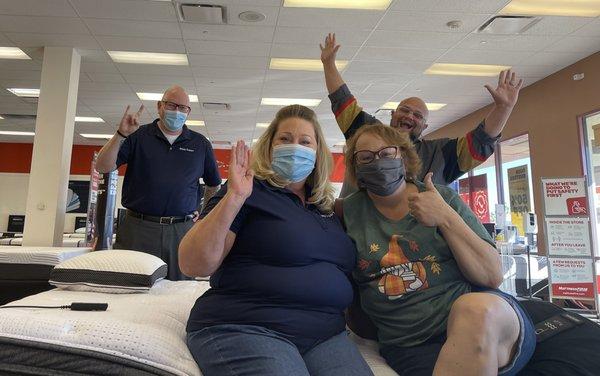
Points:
[(293, 162), (174, 120)]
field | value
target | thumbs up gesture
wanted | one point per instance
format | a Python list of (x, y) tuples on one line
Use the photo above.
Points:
[(429, 207)]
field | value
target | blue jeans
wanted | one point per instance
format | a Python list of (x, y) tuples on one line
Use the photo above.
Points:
[(235, 350)]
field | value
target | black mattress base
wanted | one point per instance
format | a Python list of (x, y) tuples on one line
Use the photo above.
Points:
[(21, 357)]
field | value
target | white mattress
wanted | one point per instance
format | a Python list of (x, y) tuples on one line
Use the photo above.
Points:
[(147, 328), (38, 255), (67, 242)]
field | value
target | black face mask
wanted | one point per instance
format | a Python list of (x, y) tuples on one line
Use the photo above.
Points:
[(382, 176)]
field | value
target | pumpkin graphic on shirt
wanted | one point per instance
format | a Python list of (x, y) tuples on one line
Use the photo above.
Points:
[(400, 275)]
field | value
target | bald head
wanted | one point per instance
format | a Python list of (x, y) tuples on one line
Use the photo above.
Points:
[(410, 116), (176, 94)]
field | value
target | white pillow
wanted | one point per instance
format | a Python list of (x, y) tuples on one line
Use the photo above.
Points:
[(114, 271), (80, 230)]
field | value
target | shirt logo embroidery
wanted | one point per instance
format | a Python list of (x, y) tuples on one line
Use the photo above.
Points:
[(186, 149)]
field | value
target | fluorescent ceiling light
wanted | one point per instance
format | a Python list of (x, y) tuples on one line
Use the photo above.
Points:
[(158, 97), (262, 125), (13, 53), (579, 8), (477, 70), (339, 4), (132, 57), (430, 106), (97, 135), (195, 122), (302, 64), (1, 118), (29, 93), (88, 119), (288, 101), (14, 133)]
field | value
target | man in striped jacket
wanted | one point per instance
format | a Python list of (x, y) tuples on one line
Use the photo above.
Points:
[(447, 158)]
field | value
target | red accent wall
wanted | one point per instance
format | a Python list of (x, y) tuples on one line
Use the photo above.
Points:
[(16, 157)]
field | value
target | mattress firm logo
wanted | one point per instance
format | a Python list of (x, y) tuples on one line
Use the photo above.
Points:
[(186, 149)]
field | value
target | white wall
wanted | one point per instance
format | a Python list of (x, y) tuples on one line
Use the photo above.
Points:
[(13, 197)]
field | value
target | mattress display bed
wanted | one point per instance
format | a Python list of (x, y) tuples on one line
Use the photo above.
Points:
[(25, 270)]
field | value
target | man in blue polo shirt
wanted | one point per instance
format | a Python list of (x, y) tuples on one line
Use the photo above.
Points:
[(165, 161)]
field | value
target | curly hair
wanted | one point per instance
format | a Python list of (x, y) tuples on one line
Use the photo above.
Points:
[(393, 137)]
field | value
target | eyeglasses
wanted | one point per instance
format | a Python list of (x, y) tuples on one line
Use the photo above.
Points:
[(407, 110), (179, 107), (368, 156)]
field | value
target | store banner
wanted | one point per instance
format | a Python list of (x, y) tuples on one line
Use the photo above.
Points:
[(572, 278), (518, 192), (90, 228), (565, 196), (474, 192), (568, 236)]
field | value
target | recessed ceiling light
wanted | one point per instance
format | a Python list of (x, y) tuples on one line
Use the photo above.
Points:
[(302, 64), (339, 4), (262, 125), (195, 122), (158, 97), (28, 93), (131, 57), (430, 106), (88, 119), (251, 16), (477, 70), (13, 53), (15, 133), (96, 135), (580, 8), (289, 101)]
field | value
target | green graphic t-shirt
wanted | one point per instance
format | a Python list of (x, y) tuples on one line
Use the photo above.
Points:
[(406, 273)]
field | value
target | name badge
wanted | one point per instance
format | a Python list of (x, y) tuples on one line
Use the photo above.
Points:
[(186, 149)]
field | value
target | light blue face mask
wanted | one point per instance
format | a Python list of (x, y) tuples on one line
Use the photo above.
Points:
[(174, 120), (293, 162)]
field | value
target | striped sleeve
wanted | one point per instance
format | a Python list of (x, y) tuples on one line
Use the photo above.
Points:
[(348, 114), (467, 152)]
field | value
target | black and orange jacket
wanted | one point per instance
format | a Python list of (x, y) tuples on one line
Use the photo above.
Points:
[(447, 158)]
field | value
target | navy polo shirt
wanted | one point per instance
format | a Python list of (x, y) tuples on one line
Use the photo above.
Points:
[(162, 179), (288, 269)]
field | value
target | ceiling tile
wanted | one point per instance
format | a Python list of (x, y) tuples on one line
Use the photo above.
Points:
[(398, 54), (224, 73), (430, 21), (53, 8), (555, 25), (106, 78), (350, 37), (83, 41), (592, 29), (142, 44), (20, 65), (98, 67), (413, 39), (309, 51), (334, 19), (486, 42), (589, 45), (554, 58), (129, 28), (159, 80), (154, 70), (469, 6), (461, 56), (51, 25), (129, 10), (388, 67), (211, 47), (218, 61), (231, 33)]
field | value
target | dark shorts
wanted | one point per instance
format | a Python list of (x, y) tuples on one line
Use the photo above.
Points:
[(420, 360)]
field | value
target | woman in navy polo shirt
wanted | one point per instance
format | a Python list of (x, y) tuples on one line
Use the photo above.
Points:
[(279, 262)]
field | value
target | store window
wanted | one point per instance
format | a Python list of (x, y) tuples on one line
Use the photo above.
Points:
[(478, 190), (591, 126)]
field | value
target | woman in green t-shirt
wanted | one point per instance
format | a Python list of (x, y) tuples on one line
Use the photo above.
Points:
[(427, 269)]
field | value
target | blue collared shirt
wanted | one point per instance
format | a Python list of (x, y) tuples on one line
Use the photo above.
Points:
[(288, 269), (163, 179)]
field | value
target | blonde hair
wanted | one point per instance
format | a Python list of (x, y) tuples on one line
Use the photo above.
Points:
[(322, 191), (393, 137)]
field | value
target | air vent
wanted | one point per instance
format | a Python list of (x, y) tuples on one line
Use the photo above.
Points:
[(508, 24), (215, 106), (202, 13)]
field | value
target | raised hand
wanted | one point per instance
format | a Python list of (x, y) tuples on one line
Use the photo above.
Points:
[(330, 49), (241, 176), (130, 122), (507, 91), (428, 207)]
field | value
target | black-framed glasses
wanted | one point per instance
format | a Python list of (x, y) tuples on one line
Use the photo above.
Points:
[(416, 114), (368, 156), (172, 106)]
